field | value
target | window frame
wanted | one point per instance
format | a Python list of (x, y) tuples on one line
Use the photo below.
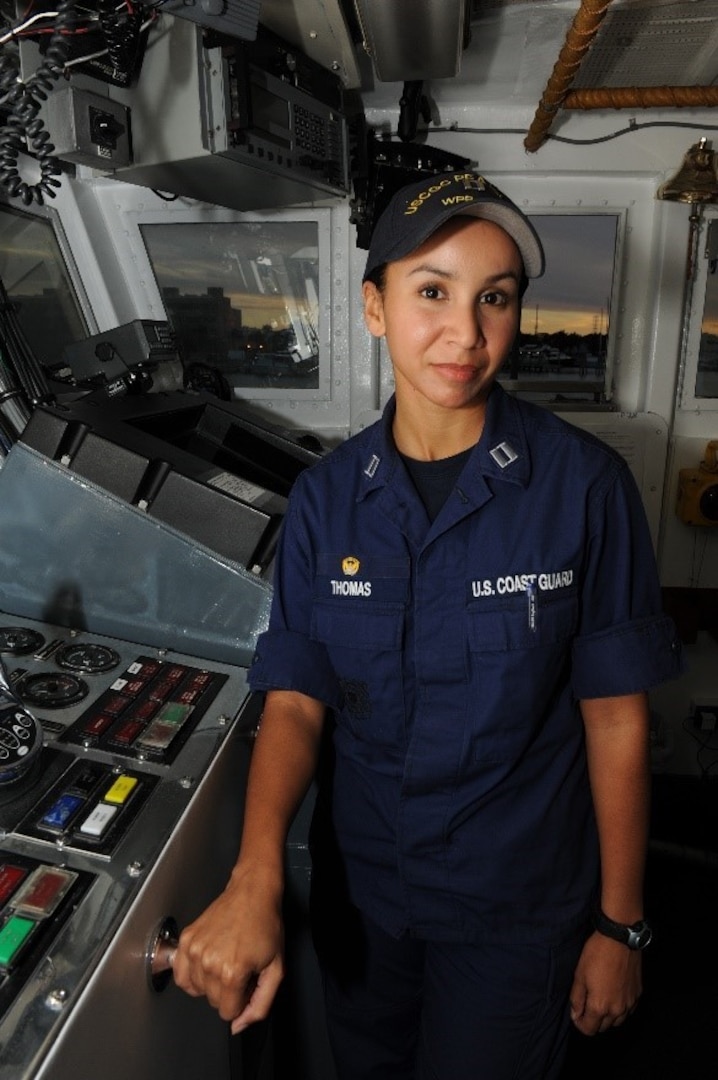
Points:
[(201, 214), (54, 220), (694, 309), (547, 386)]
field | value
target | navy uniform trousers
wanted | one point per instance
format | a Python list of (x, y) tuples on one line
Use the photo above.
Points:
[(408, 1009)]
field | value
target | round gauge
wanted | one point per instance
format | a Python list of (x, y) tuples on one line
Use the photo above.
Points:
[(87, 658), (18, 640), (52, 691)]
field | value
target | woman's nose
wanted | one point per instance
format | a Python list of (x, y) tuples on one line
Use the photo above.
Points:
[(466, 326)]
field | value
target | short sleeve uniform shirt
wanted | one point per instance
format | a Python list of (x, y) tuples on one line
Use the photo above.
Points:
[(454, 655)]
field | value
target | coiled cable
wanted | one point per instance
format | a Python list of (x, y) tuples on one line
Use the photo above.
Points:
[(25, 132), (121, 28)]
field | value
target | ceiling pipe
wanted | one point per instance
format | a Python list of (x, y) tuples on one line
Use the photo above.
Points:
[(579, 37), (642, 97)]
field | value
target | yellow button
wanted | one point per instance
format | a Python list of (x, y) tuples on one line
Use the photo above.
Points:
[(121, 789)]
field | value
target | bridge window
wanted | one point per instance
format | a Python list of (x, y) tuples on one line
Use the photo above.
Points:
[(37, 282), (563, 352), (242, 298)]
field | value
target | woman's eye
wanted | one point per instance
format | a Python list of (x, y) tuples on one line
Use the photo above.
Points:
[(431, 292), (493, 298)]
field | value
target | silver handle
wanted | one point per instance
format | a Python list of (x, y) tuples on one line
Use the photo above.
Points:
[(160, 953)]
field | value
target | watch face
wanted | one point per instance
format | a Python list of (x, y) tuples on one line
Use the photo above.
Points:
[(639, 935)]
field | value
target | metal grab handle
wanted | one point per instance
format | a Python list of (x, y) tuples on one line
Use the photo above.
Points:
[(160, 953)]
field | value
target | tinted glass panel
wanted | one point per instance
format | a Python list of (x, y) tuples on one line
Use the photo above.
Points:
[(562, 349), (36, 279), (242, 298)]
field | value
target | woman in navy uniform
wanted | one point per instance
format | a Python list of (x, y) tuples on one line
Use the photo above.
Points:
[(467, 590)]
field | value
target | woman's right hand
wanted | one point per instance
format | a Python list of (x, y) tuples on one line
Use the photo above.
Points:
[(233, 954)]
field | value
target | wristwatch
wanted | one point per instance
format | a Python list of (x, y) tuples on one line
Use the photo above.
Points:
[(636, 936)]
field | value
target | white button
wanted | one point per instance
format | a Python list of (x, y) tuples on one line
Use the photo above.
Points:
[(98, 820)]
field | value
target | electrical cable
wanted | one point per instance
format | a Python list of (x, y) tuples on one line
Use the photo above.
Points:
[(127, 42), (14, 410), (120, 25), (18, 30), (25, 132), (632, 127), (23, 372), (121, 30)]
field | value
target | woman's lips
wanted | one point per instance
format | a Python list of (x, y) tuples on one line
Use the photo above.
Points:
[(460, 373)]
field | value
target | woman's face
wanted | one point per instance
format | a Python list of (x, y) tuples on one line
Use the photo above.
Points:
[(450, 312)]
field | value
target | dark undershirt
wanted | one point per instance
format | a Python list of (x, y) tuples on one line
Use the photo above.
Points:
[(434, 480)]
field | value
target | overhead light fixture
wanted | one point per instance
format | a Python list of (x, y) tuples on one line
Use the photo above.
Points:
[(697, 179), (413, 40)]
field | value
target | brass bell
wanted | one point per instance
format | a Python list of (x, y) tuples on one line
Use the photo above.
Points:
[(696, 181)]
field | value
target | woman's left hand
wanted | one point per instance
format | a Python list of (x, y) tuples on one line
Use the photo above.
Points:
[(606, 986)]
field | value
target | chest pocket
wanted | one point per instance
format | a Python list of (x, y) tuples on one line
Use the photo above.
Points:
[(358, 624), (517, 657), (360, 600), (515, 624), (358, 613)]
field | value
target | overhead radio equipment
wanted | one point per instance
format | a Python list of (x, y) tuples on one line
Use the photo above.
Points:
[(233, 114)]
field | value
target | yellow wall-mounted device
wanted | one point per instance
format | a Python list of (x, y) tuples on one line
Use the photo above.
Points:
[(697, 502)]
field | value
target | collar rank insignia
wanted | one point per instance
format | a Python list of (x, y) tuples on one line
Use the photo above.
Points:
[(503, 454), (373, 465)]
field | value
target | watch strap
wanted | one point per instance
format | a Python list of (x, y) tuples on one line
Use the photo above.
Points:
[(636, 935)]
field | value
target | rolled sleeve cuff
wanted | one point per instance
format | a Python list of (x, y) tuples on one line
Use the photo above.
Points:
[(285, 660), (626, 659)]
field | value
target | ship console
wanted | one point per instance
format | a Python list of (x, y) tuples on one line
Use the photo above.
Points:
[(127, 622)]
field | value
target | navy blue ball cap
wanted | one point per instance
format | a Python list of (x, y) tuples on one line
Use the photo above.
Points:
[(418, 210)]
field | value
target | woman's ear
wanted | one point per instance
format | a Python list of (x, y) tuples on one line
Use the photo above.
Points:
[(373, 309)]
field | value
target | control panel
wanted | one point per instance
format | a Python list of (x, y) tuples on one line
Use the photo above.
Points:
[(105, 746), (36, 899)]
